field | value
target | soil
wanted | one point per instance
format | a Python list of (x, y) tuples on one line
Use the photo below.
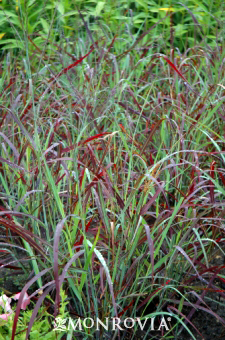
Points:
[(208, 325)]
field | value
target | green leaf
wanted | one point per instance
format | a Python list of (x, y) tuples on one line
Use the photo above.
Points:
[(12, 43), (60, 8), (45, 25), (143, 4), (99, 7)]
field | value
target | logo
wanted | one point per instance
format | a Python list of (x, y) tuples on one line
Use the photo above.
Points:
[(67, 324)]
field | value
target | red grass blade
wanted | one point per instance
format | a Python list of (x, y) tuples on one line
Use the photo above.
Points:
[(65, 70), (174, 67)]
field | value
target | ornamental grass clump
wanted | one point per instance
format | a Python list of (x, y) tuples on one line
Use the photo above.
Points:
[(112, 179)]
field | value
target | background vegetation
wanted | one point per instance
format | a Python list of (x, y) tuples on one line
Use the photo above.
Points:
[(112, 160)]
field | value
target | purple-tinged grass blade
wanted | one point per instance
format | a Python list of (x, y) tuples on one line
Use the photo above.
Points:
[(178, 312), (25, 234), (13, 165), (151, 248), (69, 263), (56, 269), (55, 256), (12, 146), (36, 309), (24, 290), (146, 207)]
